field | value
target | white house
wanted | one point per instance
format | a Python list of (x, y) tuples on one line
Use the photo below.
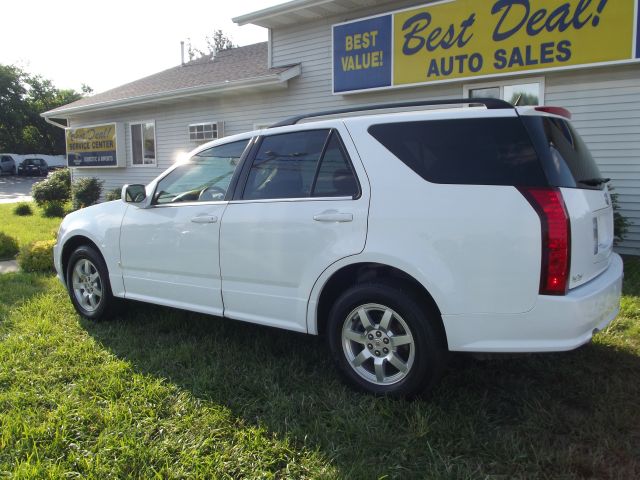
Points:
[(327, 54)]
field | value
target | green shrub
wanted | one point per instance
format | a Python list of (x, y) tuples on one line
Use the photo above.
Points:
[(55, 188), (8, 246), (37, 256), (86, 192), (53, 209), (23, 210), (621, 224), (115, 194)]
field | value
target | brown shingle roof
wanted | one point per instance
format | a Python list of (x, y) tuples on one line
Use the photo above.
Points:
[(241, 63)]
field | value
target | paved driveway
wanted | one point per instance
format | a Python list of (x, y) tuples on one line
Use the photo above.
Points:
[(16, 189)]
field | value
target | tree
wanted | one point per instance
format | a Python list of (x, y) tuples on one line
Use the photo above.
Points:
[(12, 107), (217, 43), (23, 97)]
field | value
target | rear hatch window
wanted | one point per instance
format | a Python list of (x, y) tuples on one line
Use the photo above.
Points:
[(478, 151), (564, 155)]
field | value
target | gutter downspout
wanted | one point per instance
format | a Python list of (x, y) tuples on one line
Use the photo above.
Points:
[(64, 127), (269, 49)]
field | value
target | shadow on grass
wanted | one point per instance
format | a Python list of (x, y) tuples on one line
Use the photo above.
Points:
[(569, 414)]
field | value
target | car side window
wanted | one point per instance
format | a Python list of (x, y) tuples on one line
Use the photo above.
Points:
[(335, 176), (311, 163), (468, 151), (285, 165), (205, 177)]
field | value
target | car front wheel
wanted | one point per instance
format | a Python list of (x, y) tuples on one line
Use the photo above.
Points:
[(385, 342), (88, 284)]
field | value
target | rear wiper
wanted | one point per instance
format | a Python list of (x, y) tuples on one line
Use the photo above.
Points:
[(594, 182)]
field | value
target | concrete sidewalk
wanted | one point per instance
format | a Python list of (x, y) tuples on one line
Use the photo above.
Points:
[(9, 266)]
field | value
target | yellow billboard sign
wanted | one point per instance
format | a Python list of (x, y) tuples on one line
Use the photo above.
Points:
[(456, 39), (94, 146)]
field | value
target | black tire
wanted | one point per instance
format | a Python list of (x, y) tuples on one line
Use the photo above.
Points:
[(90, 262), (424, 359)]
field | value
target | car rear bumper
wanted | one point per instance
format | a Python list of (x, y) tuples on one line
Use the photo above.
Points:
[(553, 324)]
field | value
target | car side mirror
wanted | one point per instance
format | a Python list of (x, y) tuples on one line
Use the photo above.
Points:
[(134, 193)]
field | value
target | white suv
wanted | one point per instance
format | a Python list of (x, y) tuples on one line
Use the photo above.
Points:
[(8, 164), (399, 236)]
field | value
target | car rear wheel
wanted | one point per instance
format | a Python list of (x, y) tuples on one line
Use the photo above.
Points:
[(385, 342), (88, 284)]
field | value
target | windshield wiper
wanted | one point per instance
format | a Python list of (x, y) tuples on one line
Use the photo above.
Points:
[(594, 182)]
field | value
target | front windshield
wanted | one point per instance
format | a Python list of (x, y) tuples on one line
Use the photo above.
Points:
[(205, 177)]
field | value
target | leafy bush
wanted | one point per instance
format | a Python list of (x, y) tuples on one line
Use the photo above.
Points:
[(23, 210), (55, 188), (115, 194), (53, 209), (37, 256), (86, 192), (8, 246)]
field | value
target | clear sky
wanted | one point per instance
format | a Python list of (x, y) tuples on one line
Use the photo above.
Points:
[(106, 44)]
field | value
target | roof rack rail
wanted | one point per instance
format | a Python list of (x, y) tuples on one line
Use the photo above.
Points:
[(490, 103)]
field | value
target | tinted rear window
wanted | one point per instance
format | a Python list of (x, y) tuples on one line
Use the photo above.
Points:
[(285, 165), (482, 151), (566, 158)]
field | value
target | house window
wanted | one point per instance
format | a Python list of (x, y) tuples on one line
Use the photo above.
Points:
[(143, 143), (529, 91), (202, 132)]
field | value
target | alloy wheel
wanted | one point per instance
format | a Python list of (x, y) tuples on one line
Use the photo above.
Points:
[(378, 344), (87, 285)]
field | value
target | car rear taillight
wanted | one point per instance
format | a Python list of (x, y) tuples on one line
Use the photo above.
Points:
[(556, 238)]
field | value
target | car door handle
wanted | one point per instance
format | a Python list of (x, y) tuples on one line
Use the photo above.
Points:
[(205, 219), (333, 217)]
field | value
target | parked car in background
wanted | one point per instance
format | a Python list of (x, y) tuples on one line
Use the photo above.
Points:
[(398, 236), (53, 161), (33, 166), (8, 164)]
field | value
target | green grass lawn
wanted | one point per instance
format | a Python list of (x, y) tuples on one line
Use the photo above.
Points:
[(169, 394), (29, 228)]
